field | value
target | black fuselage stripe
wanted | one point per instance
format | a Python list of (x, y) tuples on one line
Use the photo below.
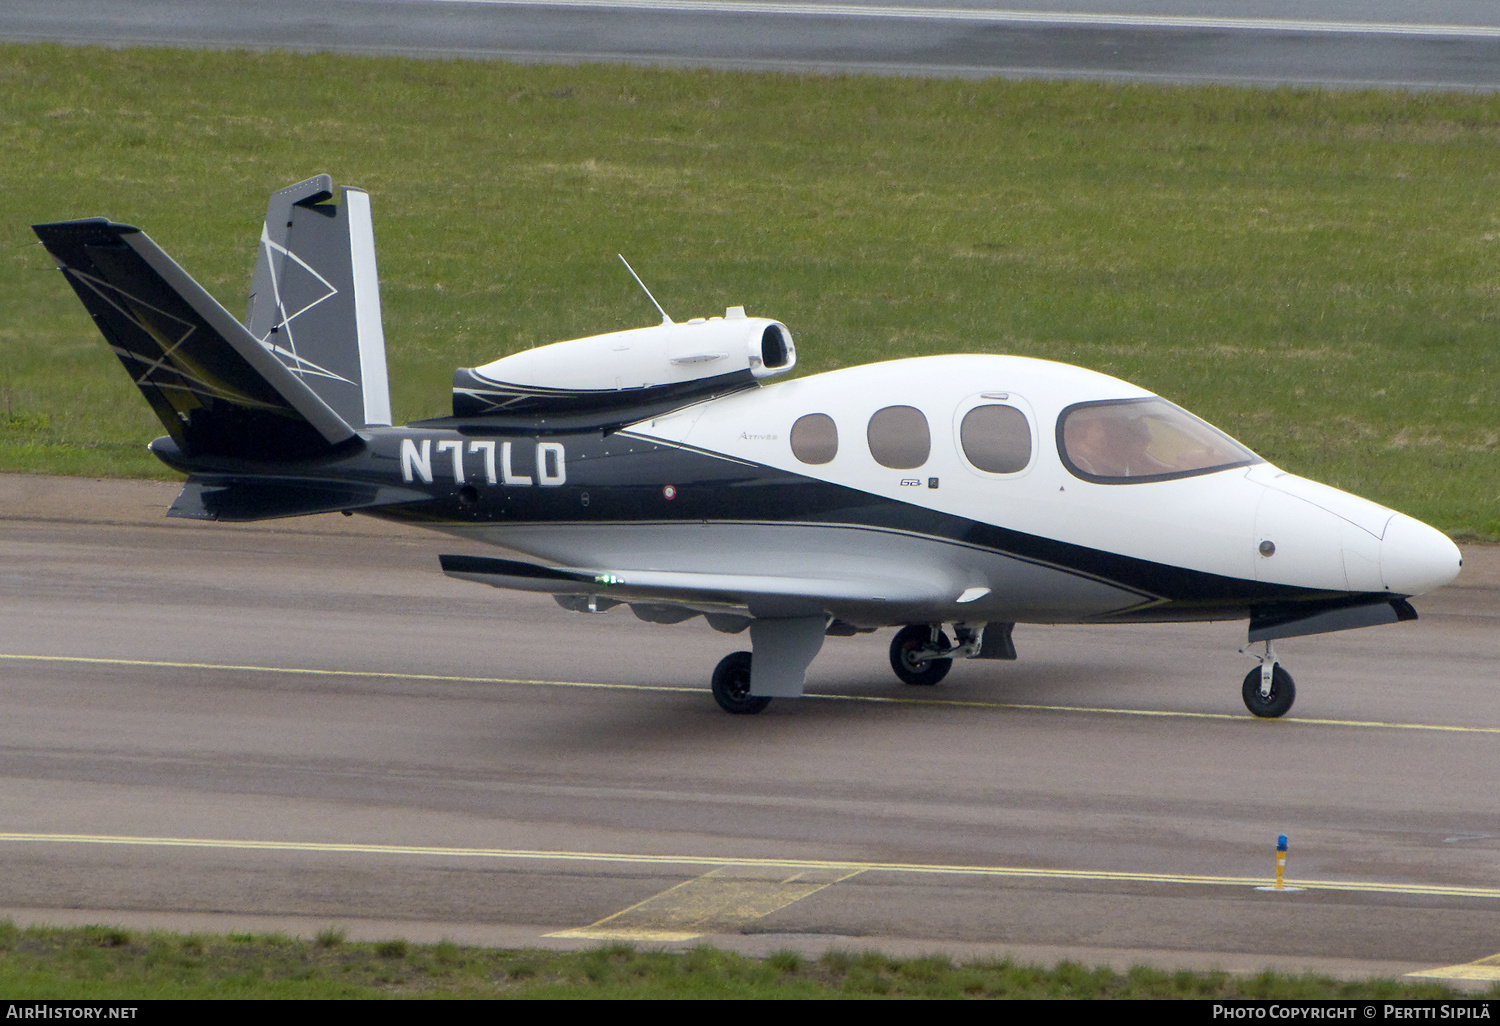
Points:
[(1144, 577), (625, 478)]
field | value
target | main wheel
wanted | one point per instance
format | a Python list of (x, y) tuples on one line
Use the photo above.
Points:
[(908, 662), (1283, 693), (732, 685)]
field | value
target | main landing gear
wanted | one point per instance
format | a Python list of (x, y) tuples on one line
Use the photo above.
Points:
[(920, 654), (731, 684), (783, 648), (1268, 689)]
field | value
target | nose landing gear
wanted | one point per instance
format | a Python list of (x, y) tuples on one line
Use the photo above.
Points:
[(1268, 690)]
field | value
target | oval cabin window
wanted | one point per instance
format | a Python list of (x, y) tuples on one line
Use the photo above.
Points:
[(815, 438), (996, 439), (899, 438)]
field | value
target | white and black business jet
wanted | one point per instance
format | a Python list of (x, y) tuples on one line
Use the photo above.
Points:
[(653, 468)]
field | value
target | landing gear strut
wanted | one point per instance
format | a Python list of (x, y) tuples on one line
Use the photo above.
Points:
[(731, 684), (915, 654), (1268, 689)]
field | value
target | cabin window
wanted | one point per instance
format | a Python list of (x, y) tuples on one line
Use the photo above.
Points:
[(815, 438), (996, 438), (1131, 440), (899, 438)]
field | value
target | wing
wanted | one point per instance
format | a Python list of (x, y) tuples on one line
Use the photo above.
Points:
[(669, 596)]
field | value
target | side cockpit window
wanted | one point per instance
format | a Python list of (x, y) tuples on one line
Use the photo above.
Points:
[(815, 439), (996, 439), (899, 437), (1127, 441)]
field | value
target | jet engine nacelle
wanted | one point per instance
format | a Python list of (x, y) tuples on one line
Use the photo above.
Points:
[(668, 362)]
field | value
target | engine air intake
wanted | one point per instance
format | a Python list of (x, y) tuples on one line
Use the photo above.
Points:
[(773, 349)]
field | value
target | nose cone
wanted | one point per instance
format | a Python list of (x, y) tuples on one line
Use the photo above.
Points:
[(1415, 558)]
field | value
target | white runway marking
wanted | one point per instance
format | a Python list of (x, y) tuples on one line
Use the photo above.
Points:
[(954, 702), (790, 865), (983, 16)]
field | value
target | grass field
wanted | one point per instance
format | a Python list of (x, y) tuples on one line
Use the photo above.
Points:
[(103, 962), (1316, 272)]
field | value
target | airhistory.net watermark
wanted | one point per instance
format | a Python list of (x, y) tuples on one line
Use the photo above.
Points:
[(67, 1010)]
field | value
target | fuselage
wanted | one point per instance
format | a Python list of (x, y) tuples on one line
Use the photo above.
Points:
[(831, 474), (656, 468)]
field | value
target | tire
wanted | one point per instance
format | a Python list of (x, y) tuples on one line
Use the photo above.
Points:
[(1283, 693), (909, 640), (731, 683)]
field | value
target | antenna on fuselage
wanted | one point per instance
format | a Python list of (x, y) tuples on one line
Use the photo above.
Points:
[(664, 318)]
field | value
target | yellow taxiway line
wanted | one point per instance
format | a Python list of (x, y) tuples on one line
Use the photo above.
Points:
[(953, 702), (790, 865), (725, 899), (1482, 969)]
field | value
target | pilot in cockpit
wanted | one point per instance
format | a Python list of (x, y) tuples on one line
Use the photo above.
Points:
[(1110, 442)]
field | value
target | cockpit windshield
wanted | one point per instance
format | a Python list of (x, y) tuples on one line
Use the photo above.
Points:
[(1126, 441)]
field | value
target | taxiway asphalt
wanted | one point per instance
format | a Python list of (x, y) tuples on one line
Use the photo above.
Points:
[(397, 752)]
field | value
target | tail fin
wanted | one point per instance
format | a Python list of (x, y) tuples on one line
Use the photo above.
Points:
[(315, 297), (218, 391)]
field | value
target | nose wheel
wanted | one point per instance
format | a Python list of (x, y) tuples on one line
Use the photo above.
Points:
[(1269, 690)]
